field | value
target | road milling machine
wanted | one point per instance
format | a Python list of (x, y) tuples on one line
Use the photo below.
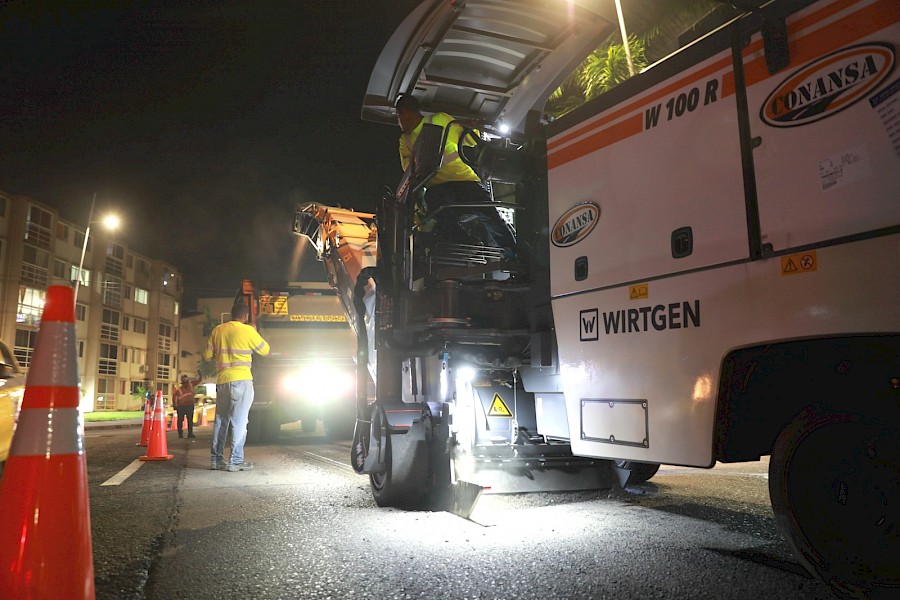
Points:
[(706, 268)]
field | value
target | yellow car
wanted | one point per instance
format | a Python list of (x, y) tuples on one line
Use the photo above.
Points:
[(12, 387)]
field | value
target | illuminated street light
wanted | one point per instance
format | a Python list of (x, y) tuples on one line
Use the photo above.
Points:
[(109, 222)]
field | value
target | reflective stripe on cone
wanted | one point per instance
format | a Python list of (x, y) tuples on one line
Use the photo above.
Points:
[(159, 447), (45, 533)]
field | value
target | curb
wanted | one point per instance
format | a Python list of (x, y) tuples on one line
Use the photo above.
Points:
[(114, 424)]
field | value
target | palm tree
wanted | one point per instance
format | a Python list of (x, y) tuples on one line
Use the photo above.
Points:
[(655, 25)]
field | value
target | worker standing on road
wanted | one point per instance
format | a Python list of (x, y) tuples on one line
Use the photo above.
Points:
[(183, 400), (233, 345), (454, 183)]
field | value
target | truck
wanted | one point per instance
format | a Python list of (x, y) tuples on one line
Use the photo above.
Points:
[(707, 269), (309, 374)]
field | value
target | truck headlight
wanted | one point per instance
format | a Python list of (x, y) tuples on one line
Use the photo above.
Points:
[(318, 382)]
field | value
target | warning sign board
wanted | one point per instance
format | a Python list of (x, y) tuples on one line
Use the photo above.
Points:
[(798, 263), (639, 292), (273, 305), (319, 318), (499, 408)]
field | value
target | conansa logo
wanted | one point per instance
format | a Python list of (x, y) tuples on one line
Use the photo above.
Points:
[(828, 85), (575, 224)]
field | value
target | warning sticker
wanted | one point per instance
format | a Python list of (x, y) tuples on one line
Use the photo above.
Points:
[(320, 318), (798, 263), (887, 105), (273, 305), (844, 168), (498, 407), (639, 292)]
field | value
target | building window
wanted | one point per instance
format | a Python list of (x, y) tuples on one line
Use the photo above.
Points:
[(109, 327), (112, 291), (124, 357), (163, 366), (143, 267), (129, 260), (62, 232), (31, 305), (2, 207), (78, 241), (81, 312), (128, 294), (37, 226), (35, 265), (109, 355), (85, 275), (106, 393), (141, 296), (24, 348), (165, 335), (177, 306), (115, 260), (59, 269), (126, 323), (140, 326)]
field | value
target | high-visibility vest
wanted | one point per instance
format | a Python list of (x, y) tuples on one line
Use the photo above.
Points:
[(233, 344), (452, 166), (183, 397)]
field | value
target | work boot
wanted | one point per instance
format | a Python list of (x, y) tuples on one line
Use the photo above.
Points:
[(181, 435), (244, 466)]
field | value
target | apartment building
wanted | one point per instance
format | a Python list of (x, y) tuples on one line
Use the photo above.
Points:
[(127, 309)]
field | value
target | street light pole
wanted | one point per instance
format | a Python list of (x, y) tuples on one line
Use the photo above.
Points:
[(87, 233)]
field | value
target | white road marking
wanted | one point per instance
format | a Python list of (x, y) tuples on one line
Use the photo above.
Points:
[(125, 473)]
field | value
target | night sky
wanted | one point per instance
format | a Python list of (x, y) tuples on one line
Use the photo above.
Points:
[(202, 123)]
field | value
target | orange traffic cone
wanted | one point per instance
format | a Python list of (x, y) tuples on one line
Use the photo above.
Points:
[(204, 420), (158, 448), (45, 533), (148, 420), (173, 421)]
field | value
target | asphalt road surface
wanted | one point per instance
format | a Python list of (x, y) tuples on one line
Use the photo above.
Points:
[(304, 525)]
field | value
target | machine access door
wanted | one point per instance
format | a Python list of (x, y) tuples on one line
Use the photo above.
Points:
[(652, 183), (489, 61)]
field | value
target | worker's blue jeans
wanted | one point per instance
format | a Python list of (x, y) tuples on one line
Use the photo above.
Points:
[(233, 402)]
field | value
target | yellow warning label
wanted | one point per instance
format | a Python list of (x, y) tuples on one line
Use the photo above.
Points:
[(498, 408), (798, 263), (273, 305), (320, 318), (637, 292)]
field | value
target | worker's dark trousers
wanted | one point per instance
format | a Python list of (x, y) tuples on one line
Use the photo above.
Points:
[(183, 412)]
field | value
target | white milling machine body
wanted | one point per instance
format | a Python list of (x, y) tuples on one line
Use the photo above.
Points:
[(708, 269)]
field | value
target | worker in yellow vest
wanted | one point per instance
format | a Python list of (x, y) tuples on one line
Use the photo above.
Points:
[(454, 183), (233, 345)]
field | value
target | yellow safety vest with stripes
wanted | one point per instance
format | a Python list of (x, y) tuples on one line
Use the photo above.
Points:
[(452, 166), (233, 344)]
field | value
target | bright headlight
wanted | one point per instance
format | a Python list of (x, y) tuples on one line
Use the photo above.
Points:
[(318, 382)]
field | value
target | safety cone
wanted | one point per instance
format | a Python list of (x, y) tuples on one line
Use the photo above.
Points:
[(204, 420), (158, 448), (45, 532), (173, 421), (148, 421)]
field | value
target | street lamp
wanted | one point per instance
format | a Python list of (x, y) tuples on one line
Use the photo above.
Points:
[(109, 221)]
